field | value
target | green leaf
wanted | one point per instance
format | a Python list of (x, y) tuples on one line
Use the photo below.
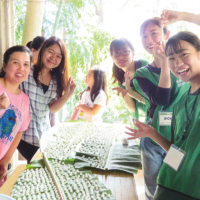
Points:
[(37, 163), (69, 161)]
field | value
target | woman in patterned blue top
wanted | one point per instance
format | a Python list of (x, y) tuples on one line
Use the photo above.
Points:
[(48, 90)]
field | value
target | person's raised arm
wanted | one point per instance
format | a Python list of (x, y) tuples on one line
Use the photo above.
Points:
[(165, 80), (69, 90), (171, 16), (158, 94)]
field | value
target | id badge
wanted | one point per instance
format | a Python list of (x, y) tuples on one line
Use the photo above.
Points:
[(174, 157), (165, 118)]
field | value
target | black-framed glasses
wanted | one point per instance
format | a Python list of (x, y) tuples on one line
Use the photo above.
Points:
[(124, 53)]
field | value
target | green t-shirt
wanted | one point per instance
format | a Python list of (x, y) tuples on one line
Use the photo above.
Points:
[(138, 105), (178, 88), (187, 179)]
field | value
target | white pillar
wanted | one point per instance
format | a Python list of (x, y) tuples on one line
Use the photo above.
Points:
[(7, 33), (33, 20)]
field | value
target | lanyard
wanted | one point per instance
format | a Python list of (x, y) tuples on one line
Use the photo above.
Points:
[(187, 115)]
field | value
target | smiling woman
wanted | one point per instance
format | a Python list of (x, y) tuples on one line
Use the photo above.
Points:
[(48, 89), (183, 55), (17, 68), (124, 67), (14, 104)]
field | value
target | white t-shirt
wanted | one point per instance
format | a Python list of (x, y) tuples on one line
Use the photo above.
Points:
[(86, 100)]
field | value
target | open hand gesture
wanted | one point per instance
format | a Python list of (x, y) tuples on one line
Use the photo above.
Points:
[(121, 91), (143, 131)]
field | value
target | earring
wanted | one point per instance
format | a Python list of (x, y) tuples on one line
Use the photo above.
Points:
[(51, 69)]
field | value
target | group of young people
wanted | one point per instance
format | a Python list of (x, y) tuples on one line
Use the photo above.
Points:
[(169, 89), (34, 85)]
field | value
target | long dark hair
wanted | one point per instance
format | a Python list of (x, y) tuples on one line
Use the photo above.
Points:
[(36, 43), (117, 45), (100, 83), (173, 43), (6, 56), (60, 73)]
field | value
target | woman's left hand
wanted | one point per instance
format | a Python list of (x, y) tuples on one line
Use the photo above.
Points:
[(71, 85), (143, 131)]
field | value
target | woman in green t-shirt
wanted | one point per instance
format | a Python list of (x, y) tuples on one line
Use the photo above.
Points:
[(183, 58), (124, 66)]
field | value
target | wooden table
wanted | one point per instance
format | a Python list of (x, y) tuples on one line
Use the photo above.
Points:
[(121, 184)]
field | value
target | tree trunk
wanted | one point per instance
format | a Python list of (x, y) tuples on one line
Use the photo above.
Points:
[(7, 32), (33, 20)]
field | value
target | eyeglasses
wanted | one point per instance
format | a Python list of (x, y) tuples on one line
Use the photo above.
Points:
[(124, 53)]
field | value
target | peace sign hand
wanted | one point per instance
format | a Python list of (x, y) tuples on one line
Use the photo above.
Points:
[(71, 85)]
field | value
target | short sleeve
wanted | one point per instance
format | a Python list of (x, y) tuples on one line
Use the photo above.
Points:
[(101, 99), (25, 115)]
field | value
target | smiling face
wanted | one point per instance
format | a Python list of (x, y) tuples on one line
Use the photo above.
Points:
[(17, 68), (184, 61), (152, 36), (89, 80), (52, 57), (123, 57)]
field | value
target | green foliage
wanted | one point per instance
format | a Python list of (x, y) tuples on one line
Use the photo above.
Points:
[(88, 42), (19, 17)]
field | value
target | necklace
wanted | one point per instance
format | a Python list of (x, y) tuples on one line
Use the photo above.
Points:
[(45, 79), (154, 64)]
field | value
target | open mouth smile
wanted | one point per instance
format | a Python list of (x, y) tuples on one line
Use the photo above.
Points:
[(182, 71), (19, 75)]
